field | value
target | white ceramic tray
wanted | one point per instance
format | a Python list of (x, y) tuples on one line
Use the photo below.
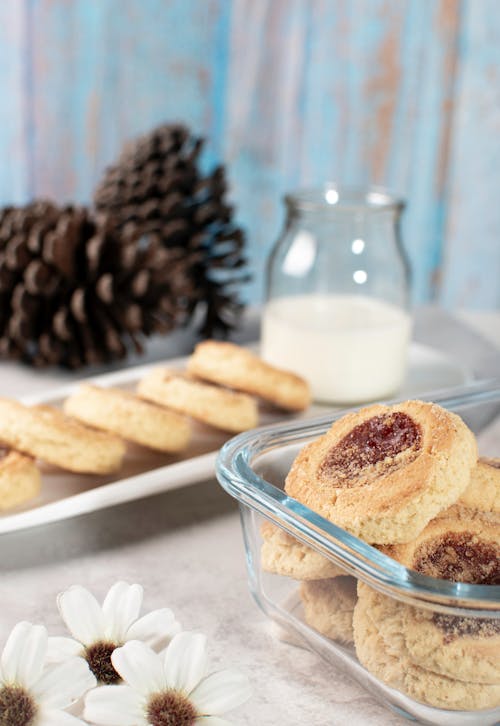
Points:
[(145, 472)]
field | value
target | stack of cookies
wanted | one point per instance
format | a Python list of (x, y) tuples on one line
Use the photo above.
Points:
[(405, 478), (220, 388)]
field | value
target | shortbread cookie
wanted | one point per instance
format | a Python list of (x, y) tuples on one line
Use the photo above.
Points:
[(390, 663), (47, 433), (19, 479), (382, 473), (329, 606), (236, 367), (465, 649), (282, 554), (212, 405), (461, 545), (483, 492), (127, 415)]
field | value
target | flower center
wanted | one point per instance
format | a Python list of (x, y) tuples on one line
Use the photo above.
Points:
[(98, 656), (17, 708), (170, 708)]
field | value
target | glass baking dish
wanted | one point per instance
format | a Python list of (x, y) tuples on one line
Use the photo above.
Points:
[(252, 468)]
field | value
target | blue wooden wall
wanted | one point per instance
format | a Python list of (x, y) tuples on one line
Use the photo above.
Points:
[(404, 93)]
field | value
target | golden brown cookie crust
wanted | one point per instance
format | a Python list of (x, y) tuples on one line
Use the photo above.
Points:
[(231, 365), (329, 606), (215, 406), (46, 433), (19, 479), (389, 661), (383, 472), (465, 649), (282, 554), (124, 414), (483, 492)]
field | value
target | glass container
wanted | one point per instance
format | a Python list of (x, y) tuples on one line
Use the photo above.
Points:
[(337, 294), (252, 468)]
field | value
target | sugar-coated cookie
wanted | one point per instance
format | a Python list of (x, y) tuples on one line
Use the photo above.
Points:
[(19, 479), (483, 492), (460, 544), (212, 405), (45, 432), (231, 365), (285, 555), (388, 660), (122, 413), (329, 606), (383, 472)]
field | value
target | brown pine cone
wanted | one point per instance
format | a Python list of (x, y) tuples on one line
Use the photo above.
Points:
[(73, 293), (156, 190)]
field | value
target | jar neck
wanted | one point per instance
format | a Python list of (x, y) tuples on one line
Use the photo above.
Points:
[(335, 201)]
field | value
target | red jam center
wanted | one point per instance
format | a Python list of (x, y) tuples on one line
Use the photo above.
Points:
[(460, 557), (380, 438)]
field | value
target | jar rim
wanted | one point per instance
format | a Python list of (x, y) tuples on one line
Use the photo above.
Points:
[(333, 197)]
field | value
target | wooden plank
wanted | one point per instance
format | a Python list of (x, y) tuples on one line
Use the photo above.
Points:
[(15, 124), (472, 261), (106, 70), (355, 102)]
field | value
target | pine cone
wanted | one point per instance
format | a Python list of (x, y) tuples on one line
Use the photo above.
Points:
[(157, 191), (73, 293)]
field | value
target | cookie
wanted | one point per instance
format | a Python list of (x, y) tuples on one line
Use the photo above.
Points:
[(19, 479), (46, 433), (483, 492), (389, 662), (236, 367), (383, 472), (329, 606), (122, 413), (461, 545), (212, 405), (465, 649), (282, 554)]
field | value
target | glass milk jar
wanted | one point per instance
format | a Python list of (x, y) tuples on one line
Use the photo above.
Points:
[(337, 304)]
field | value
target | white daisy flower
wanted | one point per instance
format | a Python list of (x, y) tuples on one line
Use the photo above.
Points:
[(32, 692), (166, 689), (97, 630)]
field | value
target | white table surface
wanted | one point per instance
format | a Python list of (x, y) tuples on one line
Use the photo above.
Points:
[(185, 548)]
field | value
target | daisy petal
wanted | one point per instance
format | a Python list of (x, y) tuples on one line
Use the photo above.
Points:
[(54, 717), (82, 614), (185, 661), (64, 683), (220, 692), (115, 706), (60, 648), (121, 607), (139, 666), (24, 653), (211, 721), (155, 628)]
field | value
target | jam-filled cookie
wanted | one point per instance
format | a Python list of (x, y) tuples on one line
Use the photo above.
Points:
[(127, 415), (483, 492), (236, 367), (329, 606), (383, 472), (46, 433), (215, 406), (386, 656), (19, 479), (284, 555), (460, 545)]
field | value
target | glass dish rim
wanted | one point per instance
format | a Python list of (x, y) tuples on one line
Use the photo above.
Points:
[(236, 475)]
